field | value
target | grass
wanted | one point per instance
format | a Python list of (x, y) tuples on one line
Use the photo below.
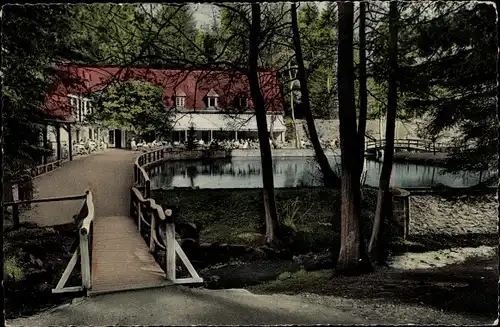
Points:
[(297, 282), (235, 216)]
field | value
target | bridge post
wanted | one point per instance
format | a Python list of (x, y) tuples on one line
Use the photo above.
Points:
[(152, 231), (170, 252)]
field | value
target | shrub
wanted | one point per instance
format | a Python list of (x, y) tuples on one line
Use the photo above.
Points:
[(13, 270)]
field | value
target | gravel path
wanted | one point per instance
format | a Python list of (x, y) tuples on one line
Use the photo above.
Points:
[(109, 175), (441, 258), (433, 214)]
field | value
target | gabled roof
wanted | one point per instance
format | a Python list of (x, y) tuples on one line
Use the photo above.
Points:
[(180, 93), (195, 85), (212, 93)]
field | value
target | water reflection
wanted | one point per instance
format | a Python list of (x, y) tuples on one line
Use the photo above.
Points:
[(292, 172)]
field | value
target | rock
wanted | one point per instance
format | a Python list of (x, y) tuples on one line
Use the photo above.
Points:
[(39, 263), (269, 252), (251, 238), (42, 288), (257, 255), (238, 251)]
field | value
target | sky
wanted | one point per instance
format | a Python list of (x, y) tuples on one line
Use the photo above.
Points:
[(203, 12)]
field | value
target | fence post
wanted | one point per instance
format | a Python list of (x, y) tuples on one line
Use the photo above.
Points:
[(139, 212), (407, 216), (15, 215), (170, 251), (132, 203), (152, 232), (85, 259)]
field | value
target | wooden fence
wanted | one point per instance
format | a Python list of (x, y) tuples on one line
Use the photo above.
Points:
[(42, 169)]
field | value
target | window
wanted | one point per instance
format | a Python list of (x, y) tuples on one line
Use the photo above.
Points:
[(212, 98), (180, 101), (212, 102), (242, 102), (111, 137), (81, 107)]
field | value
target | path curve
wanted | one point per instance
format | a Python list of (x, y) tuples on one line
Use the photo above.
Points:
[(108, 174), (184, 306)]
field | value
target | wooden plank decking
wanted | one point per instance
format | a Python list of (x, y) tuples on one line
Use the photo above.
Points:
[(121, 259)]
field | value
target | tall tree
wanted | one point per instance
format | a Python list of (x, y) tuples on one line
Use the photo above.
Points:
[(352, 257), (384, 202), (271, 213), (318, 41), (35, 39), (363, 95), (454, 81), (330, 179)]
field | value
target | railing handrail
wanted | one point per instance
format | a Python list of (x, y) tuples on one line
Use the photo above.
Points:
[(85, 244), (414, 142), (84, 229), (151, 202), (53, 199)]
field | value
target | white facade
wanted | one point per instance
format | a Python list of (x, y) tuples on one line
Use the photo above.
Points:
[(209, 126)]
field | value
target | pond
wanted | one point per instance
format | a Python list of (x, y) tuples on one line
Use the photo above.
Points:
[(239, 172)]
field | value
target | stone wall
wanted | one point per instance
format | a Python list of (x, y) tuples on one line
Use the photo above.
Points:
[(279, 153), (458, 215), (328, 129)]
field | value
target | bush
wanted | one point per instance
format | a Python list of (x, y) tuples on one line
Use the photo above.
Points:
[(13, 269)]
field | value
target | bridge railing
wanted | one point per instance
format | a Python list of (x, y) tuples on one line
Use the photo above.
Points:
[(156, 225), (83, 250), (412, 144), (82, 246), (142, 163)]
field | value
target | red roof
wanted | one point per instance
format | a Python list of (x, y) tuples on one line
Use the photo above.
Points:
[(195, 84)]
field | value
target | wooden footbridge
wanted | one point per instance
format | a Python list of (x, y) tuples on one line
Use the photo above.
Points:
[(417, 145), (118, 253)]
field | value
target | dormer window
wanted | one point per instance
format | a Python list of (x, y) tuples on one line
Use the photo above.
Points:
[(81, 107), (241, 102), (212, 97), (180, 99)]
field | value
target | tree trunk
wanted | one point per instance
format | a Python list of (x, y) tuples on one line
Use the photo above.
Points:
[(271, 214), (352, 258), (362, 86), (292, 108), (384, 197), (330, 179)]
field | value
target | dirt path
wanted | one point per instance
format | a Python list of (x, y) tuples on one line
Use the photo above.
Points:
[(109, 175)]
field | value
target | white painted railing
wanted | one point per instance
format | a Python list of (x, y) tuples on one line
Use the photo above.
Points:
[(83, 250)]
